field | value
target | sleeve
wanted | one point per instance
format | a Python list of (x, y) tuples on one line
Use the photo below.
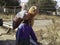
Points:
[(33, 35), (21, 25), (18, 33)]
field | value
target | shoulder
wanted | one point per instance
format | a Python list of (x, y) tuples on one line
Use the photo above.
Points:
[(21, 25)]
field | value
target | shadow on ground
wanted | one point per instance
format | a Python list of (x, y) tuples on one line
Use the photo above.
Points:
[(7, 42)]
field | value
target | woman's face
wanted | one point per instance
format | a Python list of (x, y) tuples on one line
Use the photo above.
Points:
[(27, 16), (35, 12)]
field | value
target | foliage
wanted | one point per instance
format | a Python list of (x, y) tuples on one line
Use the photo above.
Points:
[(32, 2), (2, 2), (59, 9), (46, 5), (9, 3)]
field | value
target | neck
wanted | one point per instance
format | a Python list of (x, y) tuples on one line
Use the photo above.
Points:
[(31, 15)]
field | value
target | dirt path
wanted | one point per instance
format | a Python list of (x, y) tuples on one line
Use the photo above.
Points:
[(6, 39), (45, 32)]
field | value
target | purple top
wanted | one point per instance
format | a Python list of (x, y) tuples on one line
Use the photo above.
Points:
[(25, 31)]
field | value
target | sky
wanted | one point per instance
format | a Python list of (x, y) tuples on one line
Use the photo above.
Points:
[(24, 0), (58, 3)]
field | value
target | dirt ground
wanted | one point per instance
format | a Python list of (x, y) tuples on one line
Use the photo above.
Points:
[(48, 34)]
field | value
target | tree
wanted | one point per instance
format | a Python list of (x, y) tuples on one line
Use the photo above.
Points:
[(59, 9), (9, 3), (2, 2), (46, 5), (32, 2)]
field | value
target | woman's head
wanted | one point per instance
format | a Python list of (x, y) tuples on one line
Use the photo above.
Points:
[(33, 10), (31, 13)]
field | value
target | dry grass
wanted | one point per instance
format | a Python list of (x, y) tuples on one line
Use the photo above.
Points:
[(6, 17), (48, 36), (46, 17)]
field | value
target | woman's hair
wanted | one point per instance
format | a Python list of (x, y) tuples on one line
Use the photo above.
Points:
[(32, 9)]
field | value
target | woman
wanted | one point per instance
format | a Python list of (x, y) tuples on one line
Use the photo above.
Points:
[(23, 15), (24, 33), (28, 22), (33, 11)]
